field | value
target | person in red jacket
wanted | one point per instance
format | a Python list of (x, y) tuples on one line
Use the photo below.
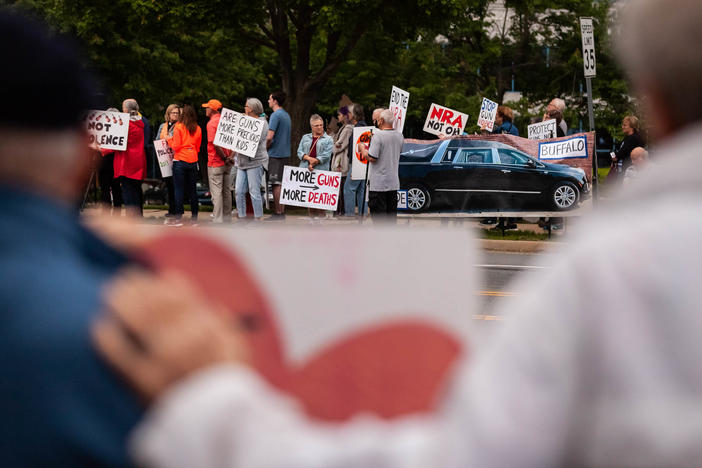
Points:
[(130, 164), (185, 143)]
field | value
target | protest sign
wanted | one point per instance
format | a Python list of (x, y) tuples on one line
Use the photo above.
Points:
[(571, 148), (442, 120), (164, 154), (399, 99), (108, 130), (238, 132), (311, 189), (324, 329), (402, 199), (488, 111), (542, 130), (361, 135)]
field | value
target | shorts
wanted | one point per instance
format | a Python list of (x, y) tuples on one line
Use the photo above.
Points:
[(275, 169)]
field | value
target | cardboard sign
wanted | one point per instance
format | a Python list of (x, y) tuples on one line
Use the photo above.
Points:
[(399, 100), (488, 111), (164, 154), (571, 148), (587, 35), (542, 130), (359, 165), (372, 320), (311, 189), (402, 199), (238, 132), (109, 130), (442, 120)]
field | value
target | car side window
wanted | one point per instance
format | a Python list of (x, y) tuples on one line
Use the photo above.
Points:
[(474, 156), (512, 157), (450, 155)]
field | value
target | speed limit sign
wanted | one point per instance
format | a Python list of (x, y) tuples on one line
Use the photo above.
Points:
[(588, 37)]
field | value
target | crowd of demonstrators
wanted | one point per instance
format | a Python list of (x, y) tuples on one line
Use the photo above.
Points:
[(315, 150), (219, 166), (278, 145), (250, 170), (618, 384), (130, 164), (340, 161), (165, 132), (355, 190), (383, 155), (185, 143), (110, 190)]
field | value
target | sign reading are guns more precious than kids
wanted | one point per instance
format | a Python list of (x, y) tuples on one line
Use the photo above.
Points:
[(164, 154), (571, 148), (238, 132), (108, 130), (542, 130), (311, 189), (399, 100), (488, 111), (444, 120)]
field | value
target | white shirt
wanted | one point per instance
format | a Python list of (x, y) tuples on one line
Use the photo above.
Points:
[(598, 364)]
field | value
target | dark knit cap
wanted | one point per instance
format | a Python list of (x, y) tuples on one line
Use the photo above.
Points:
[(43, 80)]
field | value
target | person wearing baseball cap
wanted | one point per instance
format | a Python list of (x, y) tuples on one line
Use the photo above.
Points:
[(219, 166), (60, 405)]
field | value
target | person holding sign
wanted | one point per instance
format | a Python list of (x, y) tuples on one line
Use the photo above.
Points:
[(165, 131), (355, 190), (384, 157), (250, 170), (185, 143), (315, 149), (130, 164), (219, 166)]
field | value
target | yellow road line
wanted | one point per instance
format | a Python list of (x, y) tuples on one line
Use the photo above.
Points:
[(496, 293), (486, 317)]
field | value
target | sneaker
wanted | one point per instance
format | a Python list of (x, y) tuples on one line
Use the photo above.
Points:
[(174, 222)]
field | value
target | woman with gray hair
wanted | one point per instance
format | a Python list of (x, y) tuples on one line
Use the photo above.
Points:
[(250, 169)]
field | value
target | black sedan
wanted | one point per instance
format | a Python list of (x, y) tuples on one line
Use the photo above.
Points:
[(468, 174)]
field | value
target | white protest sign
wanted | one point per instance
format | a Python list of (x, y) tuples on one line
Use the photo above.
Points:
[(402, 199), (311, 189), (587, 35), (109, 130), (444, 120), (571, 148), (542, 130), (488, 111), (399, 99), (361, 135), (238, 132), (164, 154)]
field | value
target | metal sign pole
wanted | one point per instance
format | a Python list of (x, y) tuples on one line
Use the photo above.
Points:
[(587, 36), (591, 116)]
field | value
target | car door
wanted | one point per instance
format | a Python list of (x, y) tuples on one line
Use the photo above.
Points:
[(521, 178), (465, 176)]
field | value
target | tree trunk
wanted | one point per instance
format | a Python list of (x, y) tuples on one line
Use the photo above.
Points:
[(300, 109)]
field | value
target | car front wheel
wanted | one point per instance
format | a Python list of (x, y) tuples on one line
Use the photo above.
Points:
[(564, 196), (417, 199)]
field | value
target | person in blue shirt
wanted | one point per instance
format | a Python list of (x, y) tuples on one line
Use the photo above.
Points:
[(60, 406), (278, 144), (503, 121)]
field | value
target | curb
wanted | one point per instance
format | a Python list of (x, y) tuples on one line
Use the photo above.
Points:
[(516, 246)]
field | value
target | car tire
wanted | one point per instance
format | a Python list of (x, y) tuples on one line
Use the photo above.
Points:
[(564, 196), (418, 198)]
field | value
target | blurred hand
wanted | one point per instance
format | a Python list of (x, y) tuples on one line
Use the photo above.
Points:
[(158, 329)]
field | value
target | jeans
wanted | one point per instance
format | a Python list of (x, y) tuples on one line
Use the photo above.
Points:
[(354, 196), (249, 179), (185, 180), (171, 194), (131, 195), (220, 188)]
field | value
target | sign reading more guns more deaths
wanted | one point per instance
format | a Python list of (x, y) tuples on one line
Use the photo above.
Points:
[(399, 100), (488, 111), (442, 120), (108, 130), (587, 35), (238, 132), (542, 130), (164, 154), (311, 189)]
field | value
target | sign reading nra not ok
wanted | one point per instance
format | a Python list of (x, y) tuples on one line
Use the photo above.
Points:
[(312, 189), (442, 120)]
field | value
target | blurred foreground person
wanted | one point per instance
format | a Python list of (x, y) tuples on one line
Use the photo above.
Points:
[(59, 405), (597, 366)]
